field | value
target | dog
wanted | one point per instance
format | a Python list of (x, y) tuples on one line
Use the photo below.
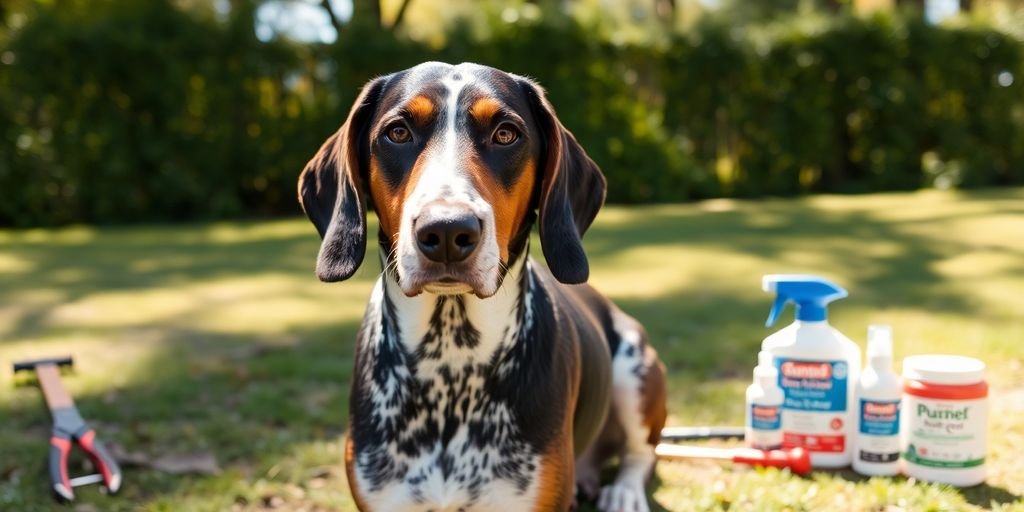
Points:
[(483, 380)]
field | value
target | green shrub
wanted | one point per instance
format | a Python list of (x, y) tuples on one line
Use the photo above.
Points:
[(118, 110), (124, 111)]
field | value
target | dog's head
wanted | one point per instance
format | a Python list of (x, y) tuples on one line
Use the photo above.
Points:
[(456, 161)]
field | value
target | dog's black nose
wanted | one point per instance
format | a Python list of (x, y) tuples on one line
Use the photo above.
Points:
[(448, 239)]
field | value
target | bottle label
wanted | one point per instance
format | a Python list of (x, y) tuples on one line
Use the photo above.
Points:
[(944, 433), (813, 385), (815, 409), (764, 427), (880, 418), (765, 417), (879, 441)]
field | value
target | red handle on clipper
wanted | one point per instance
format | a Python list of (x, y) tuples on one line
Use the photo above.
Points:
[(60, 482), (798, 460), (102, 459)]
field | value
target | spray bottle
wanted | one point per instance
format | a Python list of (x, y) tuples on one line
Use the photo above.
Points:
[(764, 406), (818, 368), (877, 446)]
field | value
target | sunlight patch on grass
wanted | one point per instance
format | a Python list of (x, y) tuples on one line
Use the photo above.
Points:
[(978, 265), (255, 304), (233, 233), (64, 236), (641, 271), (10, 264), (101, 361)]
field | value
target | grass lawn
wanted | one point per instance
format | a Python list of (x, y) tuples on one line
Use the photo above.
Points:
[(217, 338)]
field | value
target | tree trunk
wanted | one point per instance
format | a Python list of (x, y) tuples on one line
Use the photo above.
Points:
[(665, 10), (914, 4), (401, 14), (331, 15), (366, 11), (832, 6)]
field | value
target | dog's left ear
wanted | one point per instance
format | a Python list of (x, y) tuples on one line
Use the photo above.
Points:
[(572, 191), (331, 191)]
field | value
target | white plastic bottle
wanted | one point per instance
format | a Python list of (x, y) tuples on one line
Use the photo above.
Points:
[(818, 368), (879, 390), (764, 406)]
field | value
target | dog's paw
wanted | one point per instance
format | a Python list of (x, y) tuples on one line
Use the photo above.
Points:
[(622, 497)]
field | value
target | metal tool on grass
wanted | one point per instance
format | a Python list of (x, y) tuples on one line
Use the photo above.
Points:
[(69, 428), (673, 434), (797, 460)]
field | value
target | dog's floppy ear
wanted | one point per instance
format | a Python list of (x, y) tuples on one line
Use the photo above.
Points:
[(572, 190), (331, 191)]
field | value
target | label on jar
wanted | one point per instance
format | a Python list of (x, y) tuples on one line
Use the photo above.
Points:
[(944, 433), (879, 431), (815, 407), (765, 426)]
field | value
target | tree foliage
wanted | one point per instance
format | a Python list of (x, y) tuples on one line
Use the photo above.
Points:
[(118, 110)]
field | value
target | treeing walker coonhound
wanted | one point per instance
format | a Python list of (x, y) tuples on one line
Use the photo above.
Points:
[(483, 380)]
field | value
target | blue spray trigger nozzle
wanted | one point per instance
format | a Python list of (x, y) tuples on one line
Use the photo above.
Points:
[(810, 294), (777, 307)]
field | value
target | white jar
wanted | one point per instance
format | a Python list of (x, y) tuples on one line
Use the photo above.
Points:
[(944, 419)]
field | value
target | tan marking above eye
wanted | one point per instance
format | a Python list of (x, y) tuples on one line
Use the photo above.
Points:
[(421, 109), (484, 109)]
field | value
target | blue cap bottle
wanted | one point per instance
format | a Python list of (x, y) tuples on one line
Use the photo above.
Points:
[(811, 294), (818, 368)]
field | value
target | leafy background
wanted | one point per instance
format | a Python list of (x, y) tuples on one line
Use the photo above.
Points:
[(116, 111)]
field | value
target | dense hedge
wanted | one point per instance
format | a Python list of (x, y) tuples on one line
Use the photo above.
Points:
[(114, 111)]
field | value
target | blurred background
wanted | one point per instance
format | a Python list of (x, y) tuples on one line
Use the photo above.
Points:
[(149, 153), (116, 111)]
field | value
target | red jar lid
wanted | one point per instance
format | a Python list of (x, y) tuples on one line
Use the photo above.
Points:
[(946, 391)]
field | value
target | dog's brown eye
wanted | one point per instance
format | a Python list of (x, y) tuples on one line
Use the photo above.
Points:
[(399, 134), (505, 135)]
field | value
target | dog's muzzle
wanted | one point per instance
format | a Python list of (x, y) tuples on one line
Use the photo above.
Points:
[(446, 234)]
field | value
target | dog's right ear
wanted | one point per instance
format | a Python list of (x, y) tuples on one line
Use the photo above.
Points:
[(572, 190), (331, 190)]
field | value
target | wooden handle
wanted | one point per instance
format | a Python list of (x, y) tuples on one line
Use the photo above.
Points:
[(53, 389)]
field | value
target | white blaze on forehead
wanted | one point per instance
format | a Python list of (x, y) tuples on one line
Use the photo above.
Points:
[(450, 137), (443, 175)]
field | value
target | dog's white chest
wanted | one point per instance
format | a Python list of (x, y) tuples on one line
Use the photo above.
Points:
[(448, 441), (430, 490)]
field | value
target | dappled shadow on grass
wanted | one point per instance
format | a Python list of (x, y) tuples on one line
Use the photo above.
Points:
[(250, 407), (255, 397), (849, 240), (134, 259), (173, 380)]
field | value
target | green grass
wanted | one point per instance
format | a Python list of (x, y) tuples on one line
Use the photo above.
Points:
[(218, 338)]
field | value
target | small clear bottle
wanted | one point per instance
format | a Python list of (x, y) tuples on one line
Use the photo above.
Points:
[(879, 392), (764, 406)]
